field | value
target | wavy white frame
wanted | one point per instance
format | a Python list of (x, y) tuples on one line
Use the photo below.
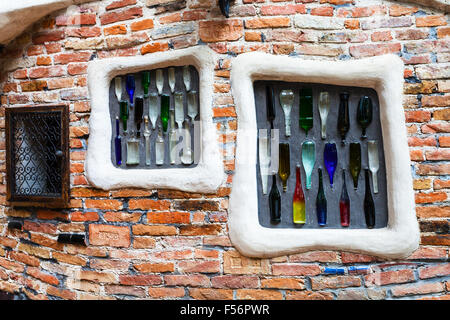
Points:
[(206, 177), (384, 74)]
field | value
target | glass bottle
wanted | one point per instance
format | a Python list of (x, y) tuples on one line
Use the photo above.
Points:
[(284, 168), (172, 138), (374, 165), (306, 109), (179, 109), (343, 123), (324, 109), (124, 113), (118, 88), (153, 108), (275, 202), (330, 159), (165, 106), (344, 203), (270, 105), (159, 80), (308, 160), (118, 144), (369, 206), (145, 82), (187, 77), (264, 158), (187, 157), (132, 150), (364, 114), (138, 113), (172, 79), (298, 202), (131, 87), (192, 104), (355, 162), (159, 147), (147, 141), (286, 101), (321, 203)]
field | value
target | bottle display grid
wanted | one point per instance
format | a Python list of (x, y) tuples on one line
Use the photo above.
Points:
[(298, 136), (114, 110)]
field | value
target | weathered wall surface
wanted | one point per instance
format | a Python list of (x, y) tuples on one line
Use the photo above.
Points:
[(170, 244)]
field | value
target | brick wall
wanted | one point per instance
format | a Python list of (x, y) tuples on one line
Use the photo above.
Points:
[(168, 244)]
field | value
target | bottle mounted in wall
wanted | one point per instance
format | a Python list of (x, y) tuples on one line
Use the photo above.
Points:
[(159, 147), (165, 106), (364, 114), (321, 203), (275, 202), (118, 144), (145, 82), (308, 160), (187, 77), (344, 203), (132, 150), (298, 202), (324, 108), (355, 162), (286, 101), (138, 113), (130, 87), (124, 113), (284, 169), (147, 141), (306, 109), (343, 122), (330, 159), (369, 206), (270, 105)]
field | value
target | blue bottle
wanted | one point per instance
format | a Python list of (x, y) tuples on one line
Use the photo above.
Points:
[(321, 203), (330, 159), (118, 144), (130, 87)]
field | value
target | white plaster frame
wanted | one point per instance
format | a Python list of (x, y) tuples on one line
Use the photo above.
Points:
[(206, 177), (384, 74)]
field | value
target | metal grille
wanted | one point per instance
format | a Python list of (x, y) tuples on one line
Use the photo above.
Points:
[(36, 154)]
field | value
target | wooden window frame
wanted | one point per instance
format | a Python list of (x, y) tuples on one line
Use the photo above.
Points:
[(65, 162)]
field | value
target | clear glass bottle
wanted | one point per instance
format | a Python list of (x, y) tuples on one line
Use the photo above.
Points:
[(173, 139), (187, 156), (192, 105), (172, 79), (153, 109), (187, 77), (286, 102), (159, 80), (118, 88), (324, 109), (264, 158), (159, 147), (118, 144), (147, 141), (132, 150), (374, 165), (179, 109)]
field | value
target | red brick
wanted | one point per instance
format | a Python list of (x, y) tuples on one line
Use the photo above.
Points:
[(381, 36), (223, 30), (168, 217), (39, 227), (444, 141), (351, 24), (296, 269), (441, 184), (81, 19), (417, 289), (431, 21), (287, 9), (35, 50), (434, 271), (107, 235), (389, 277), (211, 294), (193, 230), (154, 267), (418, 116), (194, 15), (435, 240), (47, 278), (103, 204), (199, 266), (83, 32), (421, 142), (258, 294), (259, 23), (154, 47), (48, 36), (84, 216), (148, 204), (433, 169), (159, 293), (369, 50), (430, 197), (142, 25), (122, 15), (144, 230), (140, 280), (283, 283), (43, 61), (322, 11), (396, 10), (120, 4), (443, 32), (309, 295), (234, 282), (46, 72), (438, 154)]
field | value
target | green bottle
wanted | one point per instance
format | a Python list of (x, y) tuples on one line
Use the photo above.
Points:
[(306, 109), (165, 106), (355, 162), (124, 113), (308, 160), (145, 82)]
